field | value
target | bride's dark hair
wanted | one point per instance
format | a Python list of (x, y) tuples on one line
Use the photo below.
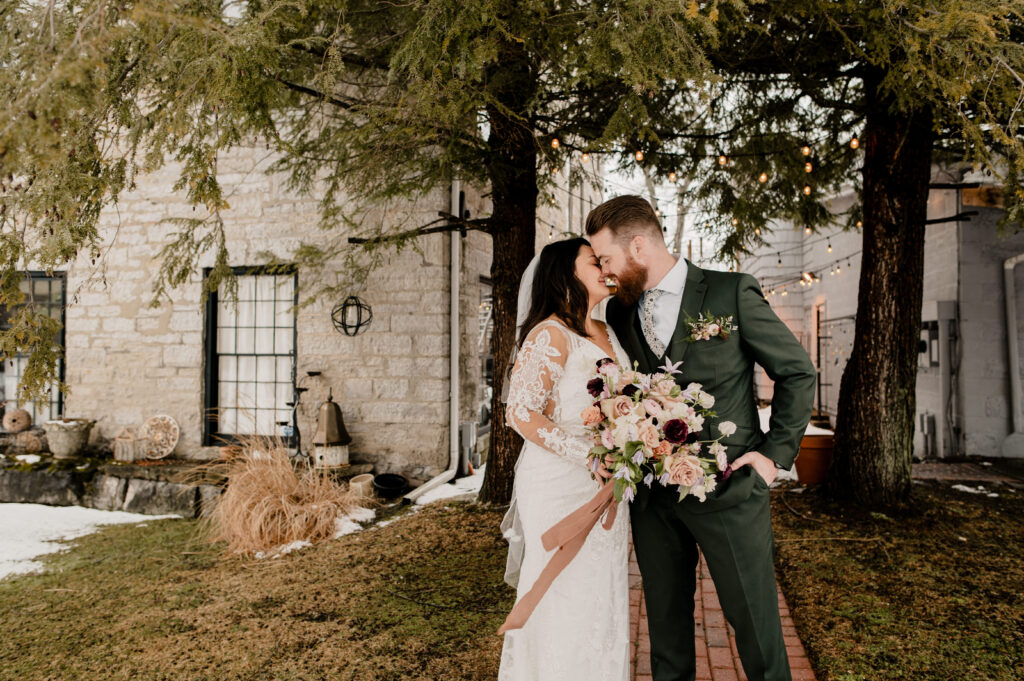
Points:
[(556, 290)]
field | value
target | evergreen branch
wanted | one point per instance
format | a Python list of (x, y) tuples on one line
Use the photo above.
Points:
[(452, 224)]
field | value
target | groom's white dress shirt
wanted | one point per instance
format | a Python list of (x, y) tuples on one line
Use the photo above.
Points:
[(666, 307)]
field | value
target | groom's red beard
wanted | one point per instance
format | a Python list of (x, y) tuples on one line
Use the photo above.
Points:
[(631, 282)]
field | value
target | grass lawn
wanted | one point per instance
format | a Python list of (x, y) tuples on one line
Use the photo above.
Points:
[(935, 593), (420, 598)]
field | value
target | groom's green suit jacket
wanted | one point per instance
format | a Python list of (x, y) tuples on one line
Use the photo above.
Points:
[(725, 368)]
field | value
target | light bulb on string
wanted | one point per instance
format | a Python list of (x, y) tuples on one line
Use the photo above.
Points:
[(639, 155), (829, 245), (808, 167), (722, 160), (807, 190), (757, 231), (554, 142), (806, 151), (779, 254), (585, 157), (854, 143), (784, 291), (672, 177), (735, 222), (807, 231), (763, 178), (859, 223)]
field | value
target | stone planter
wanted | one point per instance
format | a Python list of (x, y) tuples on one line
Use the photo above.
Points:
[(66, 437), (814, 458)]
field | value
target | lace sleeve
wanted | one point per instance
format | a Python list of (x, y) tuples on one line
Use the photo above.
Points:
[(538, 367)]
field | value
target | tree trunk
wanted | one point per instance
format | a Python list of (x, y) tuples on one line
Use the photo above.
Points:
[(875, 420), (512, 169)]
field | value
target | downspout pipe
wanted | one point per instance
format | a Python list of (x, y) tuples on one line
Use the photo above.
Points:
[(455, 272), (1013, 445)]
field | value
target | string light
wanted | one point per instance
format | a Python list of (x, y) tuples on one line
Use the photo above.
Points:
[(780, 259), (554, 142), (808, 167), (722, 160), (672, 177), (585, 157), (735, 222), (806, 151), (829, 245), (757, 231), (639, 155), (763, 178), (807, 190), (784, 291), (854, 143), (859, 223), (554, 170)]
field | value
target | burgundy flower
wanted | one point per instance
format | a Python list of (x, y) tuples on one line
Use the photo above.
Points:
[(630, 390), (723, 475), (676, 431), (604, 360), (595, 386)]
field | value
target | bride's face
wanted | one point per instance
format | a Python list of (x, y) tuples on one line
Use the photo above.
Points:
[(588, 271)]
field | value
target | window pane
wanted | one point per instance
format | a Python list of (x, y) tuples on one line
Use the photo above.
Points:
[(226, 394), (283, 341), (265, 369), (265, 288), (228, 421), (225, 313), (265, 422), (283, 316), (246, 313), (285, 287), (246, 343), (247, 368), (226, 340), (284, 369), (246, 287), (264, 341), (283, 396), (227, 368)]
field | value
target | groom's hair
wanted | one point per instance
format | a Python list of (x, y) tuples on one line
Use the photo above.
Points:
[(626, 216)]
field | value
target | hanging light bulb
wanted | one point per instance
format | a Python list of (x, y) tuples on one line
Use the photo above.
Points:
[(722, 160), (554, 142), (657, 212), (854, 143), (832, 271), (585, 157), (639, 155), (757, 231), (808, 167), (807, 190), (807, 230), (672, 177), (780, 259), (829, 245), (763, 178), (784, 291), (554, 170), (735, 222), (859, 223), (803, 283), (838, 269), (806, 151)]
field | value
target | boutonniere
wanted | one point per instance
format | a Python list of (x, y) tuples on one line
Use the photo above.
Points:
[(708, 326)]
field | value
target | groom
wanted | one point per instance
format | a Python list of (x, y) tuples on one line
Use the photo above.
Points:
[(657, 300)]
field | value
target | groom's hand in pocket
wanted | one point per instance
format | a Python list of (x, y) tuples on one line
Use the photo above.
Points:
[(764, 466)]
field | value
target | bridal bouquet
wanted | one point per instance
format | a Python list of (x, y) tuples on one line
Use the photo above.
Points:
[(646, 428)]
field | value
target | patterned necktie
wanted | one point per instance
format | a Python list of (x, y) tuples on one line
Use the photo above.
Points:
[(647, 321)]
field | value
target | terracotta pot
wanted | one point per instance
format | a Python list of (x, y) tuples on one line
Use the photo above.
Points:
[(814, 458), (66, 437)]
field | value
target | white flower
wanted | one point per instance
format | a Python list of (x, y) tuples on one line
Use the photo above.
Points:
[(713, 329), (727, 428), (706, 400)]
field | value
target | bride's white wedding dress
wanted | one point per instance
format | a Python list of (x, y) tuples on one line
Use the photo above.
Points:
[(580, 628)]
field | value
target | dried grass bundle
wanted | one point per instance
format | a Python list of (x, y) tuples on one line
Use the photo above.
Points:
[(268, 502)]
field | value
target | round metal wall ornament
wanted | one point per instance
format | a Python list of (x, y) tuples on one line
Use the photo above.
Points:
[(351, 316)]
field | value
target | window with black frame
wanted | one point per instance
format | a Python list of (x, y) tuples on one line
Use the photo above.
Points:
[(47, 294), (250, 354)]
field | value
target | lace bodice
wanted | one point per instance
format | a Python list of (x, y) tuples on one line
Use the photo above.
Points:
[(548, 388)]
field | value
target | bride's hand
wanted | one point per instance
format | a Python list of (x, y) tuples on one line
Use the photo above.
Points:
[(602, 469)]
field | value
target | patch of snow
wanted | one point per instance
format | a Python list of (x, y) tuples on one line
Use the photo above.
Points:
[(347, 524), (283, 549), (28, 531), (980, 489), (28, 458), (457, 488), (764, 415)]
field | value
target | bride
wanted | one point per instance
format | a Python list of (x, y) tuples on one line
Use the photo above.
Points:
[(580, 628)]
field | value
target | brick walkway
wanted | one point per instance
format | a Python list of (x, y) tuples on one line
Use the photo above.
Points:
[(717, 659)]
